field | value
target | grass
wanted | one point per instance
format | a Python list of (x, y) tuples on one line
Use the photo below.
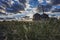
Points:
[(36, 30)]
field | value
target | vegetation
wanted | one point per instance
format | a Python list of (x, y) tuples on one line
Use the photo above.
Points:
[(35, 30)]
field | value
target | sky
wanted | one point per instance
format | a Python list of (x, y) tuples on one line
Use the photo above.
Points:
[(32, 3), (36, 2), (17, 5)]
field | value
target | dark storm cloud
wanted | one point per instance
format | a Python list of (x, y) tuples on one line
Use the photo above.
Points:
[(22, 1), (55, 2), (15, 7), (4, 3)]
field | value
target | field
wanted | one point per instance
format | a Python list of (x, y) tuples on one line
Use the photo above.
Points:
[(36, 30)]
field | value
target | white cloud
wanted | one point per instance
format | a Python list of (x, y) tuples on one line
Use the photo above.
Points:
[(48, 1), (27, 1), (12, 2), (16, 0), (40, 1), (27, 4)]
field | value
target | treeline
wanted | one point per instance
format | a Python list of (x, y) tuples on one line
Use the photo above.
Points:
[(35, 30)]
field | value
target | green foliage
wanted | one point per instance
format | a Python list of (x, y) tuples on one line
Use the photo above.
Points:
[(35, 30)]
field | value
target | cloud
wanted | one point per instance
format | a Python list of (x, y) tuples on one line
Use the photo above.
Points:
[(14, 5), (33, 3), (48, 1), (46, 8), (5, 2), (23, 1), (40, 1), (55, 2), (27, 1)]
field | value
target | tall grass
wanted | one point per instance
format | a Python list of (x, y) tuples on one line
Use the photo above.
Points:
[(36, 30)]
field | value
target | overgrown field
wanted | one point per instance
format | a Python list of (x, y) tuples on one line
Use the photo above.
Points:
[(36, 30)]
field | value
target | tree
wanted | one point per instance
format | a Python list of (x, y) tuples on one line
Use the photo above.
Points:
[(36, 17), (45, 8), (39, 8)]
